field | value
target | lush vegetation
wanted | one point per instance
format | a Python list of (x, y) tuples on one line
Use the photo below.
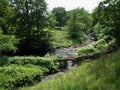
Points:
[(28, 30), (60, 39), (106, 19), (20, 71), (101, 74), (8, 44), (79, 24), (14, 76), (96, 47)]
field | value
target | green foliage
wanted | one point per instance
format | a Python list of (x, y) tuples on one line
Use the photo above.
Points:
[(6, 17), (28, 19), (8, 43), (60, 15), (24, 71), (14, 76), (52, 20), (98, 46), (109, 16), (50, 63), (31, 20), (78, 24), (98, 31), (86, 50), (100, 74), (60, 39)]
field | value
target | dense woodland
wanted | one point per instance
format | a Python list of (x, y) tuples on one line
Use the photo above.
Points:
[(28, 32)]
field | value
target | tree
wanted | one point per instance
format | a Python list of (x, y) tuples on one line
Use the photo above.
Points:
[(52, 20), (30, 25), (61, 16), (79, 23), (110, 11), (8, 44), (98, 30), (6, 16)]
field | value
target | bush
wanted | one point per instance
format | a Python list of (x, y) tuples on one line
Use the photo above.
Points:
[(19, 71), (100, 45), (14, 76), (8, 44), (50, 63), (86, 50)]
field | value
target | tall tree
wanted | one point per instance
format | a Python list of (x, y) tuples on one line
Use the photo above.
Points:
[(30, 16), (30, 24), (110, 11), (98, 29), (79, 23), (61, 16)]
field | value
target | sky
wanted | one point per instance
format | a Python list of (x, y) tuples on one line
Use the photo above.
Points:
[(88, 5)]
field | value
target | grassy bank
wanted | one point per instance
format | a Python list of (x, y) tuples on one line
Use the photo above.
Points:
[(101, 74)]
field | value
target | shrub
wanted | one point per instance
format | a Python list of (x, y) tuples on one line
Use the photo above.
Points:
[(86, 50), (100, 45), (19, 71), (49, 62), (14, 76), (96, 47)]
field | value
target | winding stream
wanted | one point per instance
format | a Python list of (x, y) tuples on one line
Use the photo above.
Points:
[(71, 51), (66, 52)]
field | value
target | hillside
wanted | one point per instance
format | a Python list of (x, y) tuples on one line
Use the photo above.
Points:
[(100, 74)]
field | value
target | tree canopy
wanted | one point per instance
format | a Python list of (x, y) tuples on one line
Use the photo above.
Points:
[(79, 23), (108, 15), (60, 15)]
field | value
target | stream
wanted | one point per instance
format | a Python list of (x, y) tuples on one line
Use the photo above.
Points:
[(67, 52), (71, 51)]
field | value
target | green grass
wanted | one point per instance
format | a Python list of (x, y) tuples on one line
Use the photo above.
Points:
[(100, 74), (60, 39)]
